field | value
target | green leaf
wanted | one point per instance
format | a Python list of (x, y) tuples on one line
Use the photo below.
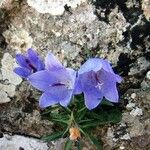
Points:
[(81, 113), (79, 145), (62, 118), (96, 142), (68, 145), (59, 116), (86, 121), (106, 102), (52, 108), (61, 121), (93, 140), (53, 136), (107, 116), (93, 124)]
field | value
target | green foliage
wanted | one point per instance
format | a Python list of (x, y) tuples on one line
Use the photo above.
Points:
[(68, 145), (79, 116), (79, 145), (98, 144), (53, 136)]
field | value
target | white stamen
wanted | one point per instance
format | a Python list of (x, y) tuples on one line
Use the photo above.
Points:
[(99, 85)]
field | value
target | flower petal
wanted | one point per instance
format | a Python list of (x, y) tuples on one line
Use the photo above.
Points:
[(112, 93), (42, 80), (77, 86), (118, 78), (35, 59), (92, 99), (87, 80), (47, 100), (62, 75), (72, 74), (106, 66), (23, 72), (58, 92), (108, 85), (32, 55), (40, 65), (64, 102), (22, 60), (51, 63), (93, 64)]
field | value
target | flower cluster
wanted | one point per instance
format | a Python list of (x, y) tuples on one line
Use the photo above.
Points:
[(95, 79)]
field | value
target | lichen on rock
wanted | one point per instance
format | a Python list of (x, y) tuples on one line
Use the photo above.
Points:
[(17, 142), (18, 39), (9, 79), (8, 64), (146, 9), (54, 7)]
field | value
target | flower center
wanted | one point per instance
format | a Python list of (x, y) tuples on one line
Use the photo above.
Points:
[(68, 84), (31, 66), (99, 83)]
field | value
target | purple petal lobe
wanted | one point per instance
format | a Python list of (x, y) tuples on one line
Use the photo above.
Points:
[(22, 60), (23, 72), (64, 102), (58, 92), (72, 74), (108, 85), (35, 59), (112, 94), (88, 80), (92, 100), (51, 63), (42, 80), (77, 86), (40, 65), (106, 66), (62, 75), (32, 55), (93, 64), (118, 78), (47, 100)]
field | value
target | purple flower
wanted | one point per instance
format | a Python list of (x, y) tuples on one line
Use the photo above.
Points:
[(56, 81), (29, 63), (96, 80)]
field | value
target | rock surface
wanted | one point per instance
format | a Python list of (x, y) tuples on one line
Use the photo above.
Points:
[(54, 7), (17, 142), (116, 30)]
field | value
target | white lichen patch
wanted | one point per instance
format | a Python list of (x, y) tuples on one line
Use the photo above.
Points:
[(70, 50), (119, 24), (130, 106), (54, 7), (4, 97), (136, 112), (83, 28), (133, 95), (18, 39), (8, 64), (17, 142), (148, 75), (146, 9), (9, 89), (126, 137)]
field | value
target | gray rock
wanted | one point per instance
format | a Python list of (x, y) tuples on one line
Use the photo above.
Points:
[(141, 65), (52, 6), (4, 97), (8, 64), (17, 142)]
